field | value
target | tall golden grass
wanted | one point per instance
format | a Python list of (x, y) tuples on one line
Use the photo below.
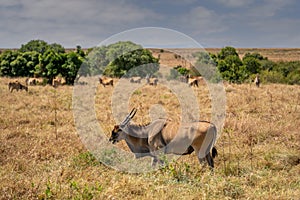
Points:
[(42, 157)]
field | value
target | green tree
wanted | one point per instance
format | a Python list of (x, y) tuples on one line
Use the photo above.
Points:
[(100, 57), (182, 70), (205, 66), (255, 55), (96, 62), (58, 48), (252, 65), (178, 71), (18, 66), (227, 51), (230, 65), (34, 45), (294, 77), (32, 61), (267, 65), (232, 69), (41, 47), (119, 48), (139, 62), (15, 63), (73, 61), (173, 74), (272, 76), (50, 64), (204, 58), (79, 51), (6, 58)]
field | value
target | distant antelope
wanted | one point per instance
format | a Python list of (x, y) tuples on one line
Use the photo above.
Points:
[(135, 79), (151, 81), (257, 80), (193, 82), (106, 81), (58, 81), (16, 85), (34, 81)]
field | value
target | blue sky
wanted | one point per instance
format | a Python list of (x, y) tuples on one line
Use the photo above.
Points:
[(212, 23)]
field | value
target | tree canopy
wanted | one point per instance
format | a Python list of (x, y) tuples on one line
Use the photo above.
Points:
[(40, 59), (120, 59), (41, 46), (233, 69)]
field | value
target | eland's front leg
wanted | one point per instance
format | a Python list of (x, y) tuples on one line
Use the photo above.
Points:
[(154, 161)]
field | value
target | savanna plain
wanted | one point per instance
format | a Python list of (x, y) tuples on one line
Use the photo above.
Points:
[(43, 157)]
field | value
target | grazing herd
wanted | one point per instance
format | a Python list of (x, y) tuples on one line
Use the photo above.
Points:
[(191, 81), (58, 81), (16, 85), (107, 81), (161, 135)]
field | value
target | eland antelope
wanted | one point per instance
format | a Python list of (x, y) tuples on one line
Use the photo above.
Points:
[(149, 140), (106, 81), (58, 81), (152, 81), (34, 81), (135, 79), (16, 85), (257, 80), (193, 82)]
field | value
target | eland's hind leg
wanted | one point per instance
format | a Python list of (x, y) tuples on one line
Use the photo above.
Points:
[(201, 161), (210, 161)]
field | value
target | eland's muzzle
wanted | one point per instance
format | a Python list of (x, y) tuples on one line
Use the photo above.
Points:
[(112, 140)]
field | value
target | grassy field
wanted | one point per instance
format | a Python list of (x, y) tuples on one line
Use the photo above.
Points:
[(168, 58), (42, 156)]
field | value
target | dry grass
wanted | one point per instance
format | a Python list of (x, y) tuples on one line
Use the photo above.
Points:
[(168, 58), (42, 157)]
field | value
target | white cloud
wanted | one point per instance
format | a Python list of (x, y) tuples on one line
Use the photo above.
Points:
[(236, 3), (268, 8), (86, 20), (180, 2), (202, 21), (78, 10), (5, 3), (72, 22)]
